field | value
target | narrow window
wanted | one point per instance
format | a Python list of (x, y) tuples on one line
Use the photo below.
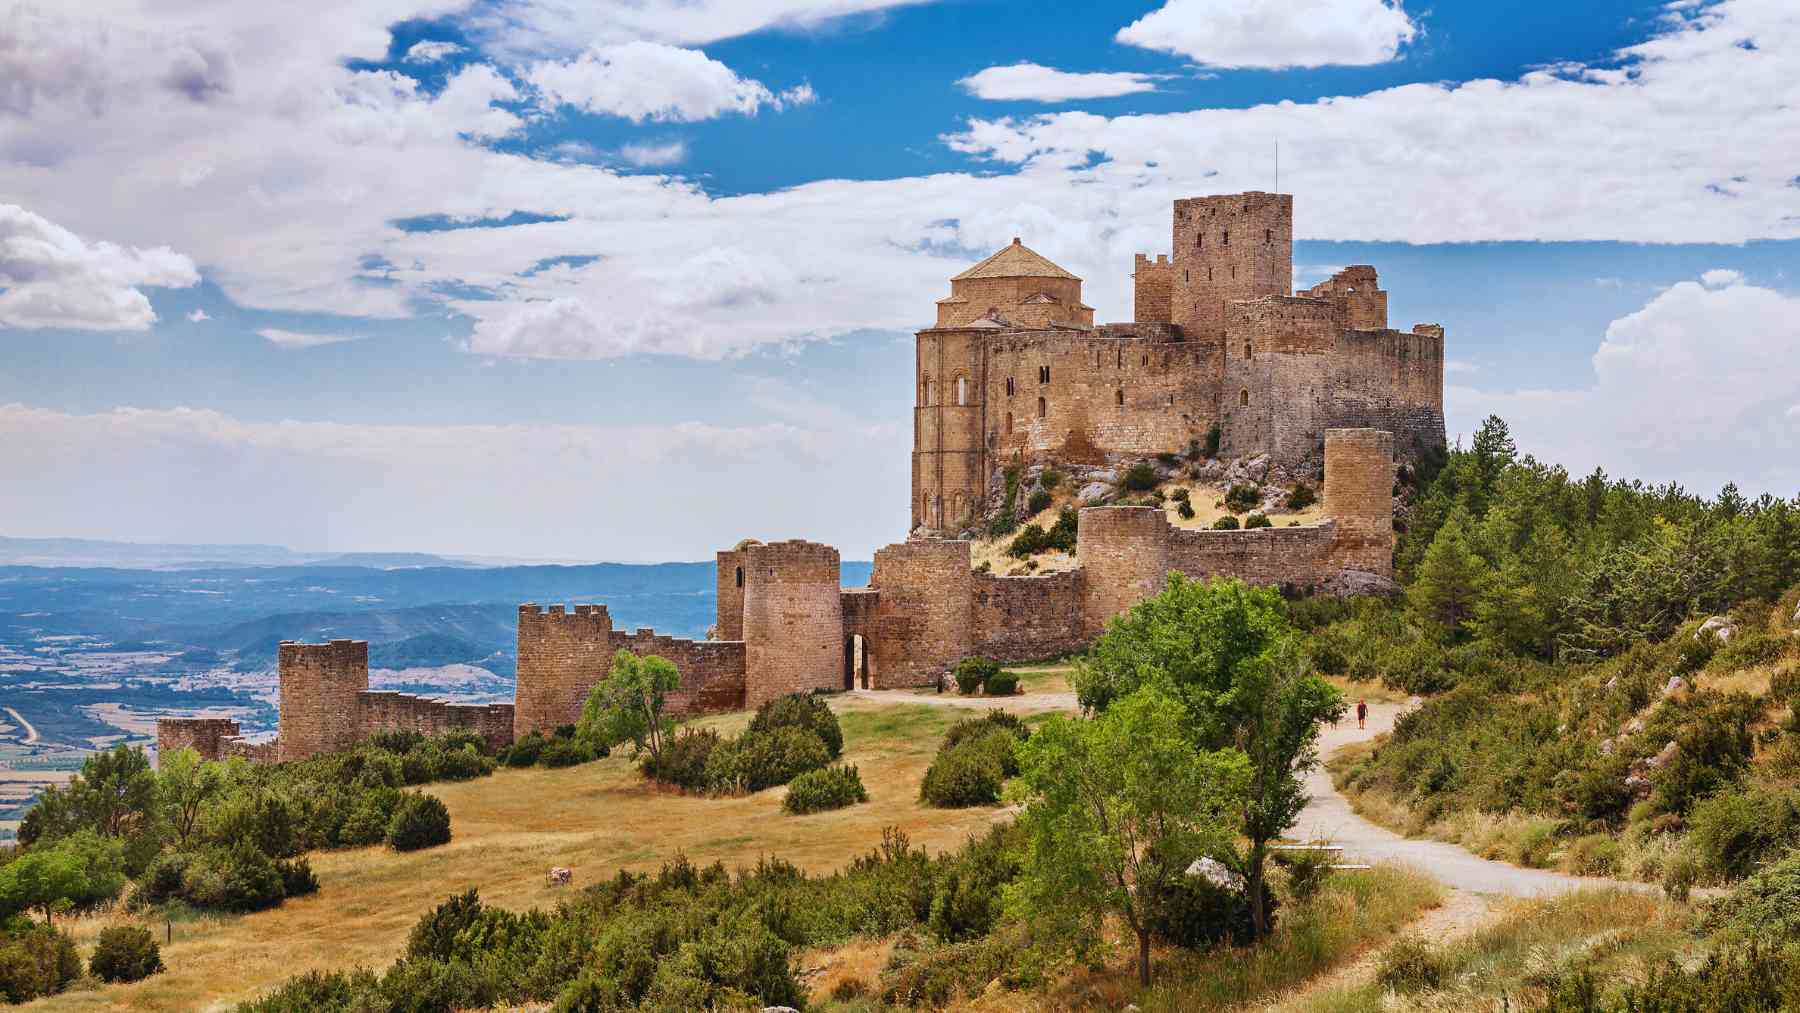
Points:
[(1186, 275), (925, 390), (740, 576), (1268, 235), (1171, 400), (1119, 396), (1044, 408), (1009, 423), (1227, 241), (1200, 241), (1043, 374), (962, 390), (1009, 386), (1234, 272), (1244, 398), (1209, 276), (1246, 349), (1119, 357)]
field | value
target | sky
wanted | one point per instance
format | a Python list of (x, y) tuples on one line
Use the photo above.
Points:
[(634, 279)]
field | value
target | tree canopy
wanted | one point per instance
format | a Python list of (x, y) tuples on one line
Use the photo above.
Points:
[(627, 705)]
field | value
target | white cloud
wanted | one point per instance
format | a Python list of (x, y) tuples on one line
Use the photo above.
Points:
[(1275, 33), (651, 81), (1794, 412), (50, 277), (198, 316), (303, 339), (654, 154), (529, 27), (1035, 83), (1721, 278), (194, 475), (1460, 366), (1690, 388), (431, 51)]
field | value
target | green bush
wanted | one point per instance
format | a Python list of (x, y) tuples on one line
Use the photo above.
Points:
[(1257, 521), (1226, 523), (524, 752), (1140, 477), (974, 728), (1595, 855), (1001, 683), (1181, 494), (755, 761), (972, 673), (1411, 964), (801, 710), (1039, 501), (683, 759), (826, 788), (1764, 906), (297, 879), (1242, 497), (1735, 830), (36, 960), (965, 775), (1185, 510), (1749, 649), (1050, 479), (238, 878), (1191, 912), (125, 953), (1301, 496), (1213, 437), (570, 751), (369, 817), (421, 821), (164, 880)]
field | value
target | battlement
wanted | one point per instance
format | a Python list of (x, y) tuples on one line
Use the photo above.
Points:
[(319, 687), (589, 615), (204, 736)]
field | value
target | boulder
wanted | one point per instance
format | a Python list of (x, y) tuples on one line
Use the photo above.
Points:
[(1607, 747), (1353, 583), (1093, 493), (1638, 785), (1216, 874), (1663, 758), (1718, 626), (1632, 727), (1676, 684), (1107, 475)]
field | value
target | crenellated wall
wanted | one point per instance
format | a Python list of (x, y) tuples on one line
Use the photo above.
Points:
[(561, 656), (1028, 618), (319, 687), (712, 671)]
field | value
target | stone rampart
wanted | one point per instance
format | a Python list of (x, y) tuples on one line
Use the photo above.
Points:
[(712, 671), (1359, 496), (1028, 618), (319, 687), (793, 620), (252, 752), (561, 656), (1293, 559), (1123, 553), (204, 736), (920, 623), (385, 711)]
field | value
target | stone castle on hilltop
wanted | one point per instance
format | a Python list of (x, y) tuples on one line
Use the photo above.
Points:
[(1013, 370)]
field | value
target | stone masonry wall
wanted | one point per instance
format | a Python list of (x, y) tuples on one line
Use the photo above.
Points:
[(1124, 557), (1359, 497), (1294, 559), (793, 620), (561, 656), (1153, 286), (712, 671), (1028, 618), (1228, 247), (385, 711), (204, 736), (921, 622), (319, 687), (730, 622)]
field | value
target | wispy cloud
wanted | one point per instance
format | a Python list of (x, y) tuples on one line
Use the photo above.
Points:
[(655, 155), (303, 339), (431, 51), (1034, 83), (198, 316)]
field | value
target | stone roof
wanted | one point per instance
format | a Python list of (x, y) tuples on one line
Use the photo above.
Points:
[(1015, 261)]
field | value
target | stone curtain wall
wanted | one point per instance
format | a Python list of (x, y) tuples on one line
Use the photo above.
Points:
[(793, 620), (204, 736), (1028, 618), (1359, 497), (1391, 381), (712, 671), (384, 711), (561, 656), (319, 687), (920, 623), (1294, 559), (1123, 553)]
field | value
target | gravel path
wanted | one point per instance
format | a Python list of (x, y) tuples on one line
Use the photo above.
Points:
[(31, 735)]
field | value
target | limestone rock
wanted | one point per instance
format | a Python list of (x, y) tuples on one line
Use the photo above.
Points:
[(1354, 583), (1107, 475), (1676, 684), (1093, 492), (1216, 874), (1638, 785), (1607, 747), (1718, 626), (1612, 683), (1632, 727), (1663, 758)]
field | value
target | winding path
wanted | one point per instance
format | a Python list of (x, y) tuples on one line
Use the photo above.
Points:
[(31, 735)]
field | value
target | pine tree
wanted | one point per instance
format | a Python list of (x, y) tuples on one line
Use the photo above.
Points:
[(1451, 580)]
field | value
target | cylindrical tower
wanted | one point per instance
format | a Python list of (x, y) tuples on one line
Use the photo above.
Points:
[(319, 684), (793, 620), (1359, 498), (1124, 557), (923, 624), (561, 657)]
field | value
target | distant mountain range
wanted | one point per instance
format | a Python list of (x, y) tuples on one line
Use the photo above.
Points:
[(159, 556)]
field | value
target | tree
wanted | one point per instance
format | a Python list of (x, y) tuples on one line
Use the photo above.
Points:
[(184, 784), (1118, 805), (627, 705), (1451, 580), (77, 872), (1223, 649), (114, 795)]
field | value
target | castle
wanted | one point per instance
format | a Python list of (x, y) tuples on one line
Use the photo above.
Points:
[(1014, 368)]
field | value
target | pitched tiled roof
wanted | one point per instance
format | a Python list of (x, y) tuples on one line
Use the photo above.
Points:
[(1015, 261)]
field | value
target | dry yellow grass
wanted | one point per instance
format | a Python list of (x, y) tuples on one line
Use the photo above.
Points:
[(511, 828)]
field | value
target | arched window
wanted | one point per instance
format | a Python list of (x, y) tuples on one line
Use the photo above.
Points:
[(1043, 408), (962, 390), (1244, 398), (1119, 397), (1009, 386), (1043, 374), (925, 390), (740, 576)]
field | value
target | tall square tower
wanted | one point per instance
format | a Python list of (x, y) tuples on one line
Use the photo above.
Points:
[(1234, 246)]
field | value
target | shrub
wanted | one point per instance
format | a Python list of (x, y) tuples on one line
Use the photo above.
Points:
[(1003, 523), (1257, 521), (1735, 829), (1050, 479), (163, 880), (972, 673), (683, 760), (368, 820), (1185, 510), (1748, 649), (1032, 539), (1595, 855), (321, 990), (974, 728), (1679, 877), (758, 760), (1181, 494), (421, 821), (1226, 523), (36, 961), (827, 788), (1001, 683), (1766, 905), (1191, 911), (801, 710), (1039, 501), (1301, 496), (570, 751), (1140, 477), (1213, 436), (1411, 965), (237, 878), (1242, 498), (297, 879), (125, 953), (962, 776)]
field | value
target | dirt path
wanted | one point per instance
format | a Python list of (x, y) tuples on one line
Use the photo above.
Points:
[(31, 735), (1025, 703)]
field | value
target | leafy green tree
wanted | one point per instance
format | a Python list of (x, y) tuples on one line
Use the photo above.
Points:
[(1451, 580), (77, 872), (1223, 650), (1117, 805), (627, 705), (184, 785)]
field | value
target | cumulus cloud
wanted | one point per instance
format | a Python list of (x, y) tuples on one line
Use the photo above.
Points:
[(431, 51), (50, 277), (518, 490), (1689, 388), (654, 154), (1275, 33), (1721, 278), (1034, 83), (528, 27), (302, 339), (198, 316), (651, 81)]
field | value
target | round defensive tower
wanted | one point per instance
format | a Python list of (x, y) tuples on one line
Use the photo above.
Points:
[(319, 687), (793, 620), (1359, 498), (923, 621), (1124, 558)]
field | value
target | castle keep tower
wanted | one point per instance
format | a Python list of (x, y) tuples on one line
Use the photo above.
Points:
[(1233, 246), (793, 620), (319, 687)]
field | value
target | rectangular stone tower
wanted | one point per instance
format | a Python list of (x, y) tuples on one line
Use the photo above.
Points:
[(1233, 246)]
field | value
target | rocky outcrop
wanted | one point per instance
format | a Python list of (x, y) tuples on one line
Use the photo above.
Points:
[(1717, 626)]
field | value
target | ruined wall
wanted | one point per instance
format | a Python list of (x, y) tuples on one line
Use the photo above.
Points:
[(561, 657), (319, 687), (1228, 247), (1391, 381), (252, 752), (729, 621), (1294, 559), (920, 627), (1153, 288), (712, 671), (1028, 618), (386, 711), (1124, 556), (793, 620), (204, 736), (1356, 291), (1359, 496)]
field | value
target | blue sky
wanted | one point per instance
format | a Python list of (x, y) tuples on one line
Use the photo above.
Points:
[(633, 280)]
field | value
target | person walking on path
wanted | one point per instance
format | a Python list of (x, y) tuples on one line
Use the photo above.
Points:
[(1362, 713)]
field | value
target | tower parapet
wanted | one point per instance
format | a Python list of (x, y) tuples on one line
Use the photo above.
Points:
[(561, 656), (319, 688)]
